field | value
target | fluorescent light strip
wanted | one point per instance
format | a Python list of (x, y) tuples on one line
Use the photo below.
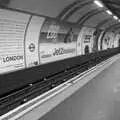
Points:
[(109, 12), (115, 17), (98, 3)]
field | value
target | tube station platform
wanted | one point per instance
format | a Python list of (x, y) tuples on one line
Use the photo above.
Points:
[(92, 95), (99, 99)]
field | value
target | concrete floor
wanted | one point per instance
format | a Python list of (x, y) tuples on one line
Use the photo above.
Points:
[(98, 100)]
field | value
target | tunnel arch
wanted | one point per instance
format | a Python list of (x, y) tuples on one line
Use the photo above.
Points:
[(88, 15), (103, 22), (66, 17), (68, 8)]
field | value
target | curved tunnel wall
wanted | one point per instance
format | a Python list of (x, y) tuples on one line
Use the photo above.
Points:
[(35, 40), (28, 39), (50, 44)]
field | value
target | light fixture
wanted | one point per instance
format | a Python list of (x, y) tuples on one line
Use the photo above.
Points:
[(109, 12), (98, 3), (119, 20), (115, 17)]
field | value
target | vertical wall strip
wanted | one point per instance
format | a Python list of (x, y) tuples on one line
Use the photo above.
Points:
[(25, 40), (39, 40)]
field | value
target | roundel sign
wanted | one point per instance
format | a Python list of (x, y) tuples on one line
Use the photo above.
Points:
[(32, 47)]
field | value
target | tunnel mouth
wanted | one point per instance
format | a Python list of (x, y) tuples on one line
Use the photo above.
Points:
[(86, 50)]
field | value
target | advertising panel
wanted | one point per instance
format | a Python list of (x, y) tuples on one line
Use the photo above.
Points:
[(96, 35), (108, 41), (12, 33), (31, 41), (85, 41), (112, 38), (100, 41), (80, 43), (57, 41), (116, 40)]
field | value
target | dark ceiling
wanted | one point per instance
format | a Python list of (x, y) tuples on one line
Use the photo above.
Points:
[(113, 5)]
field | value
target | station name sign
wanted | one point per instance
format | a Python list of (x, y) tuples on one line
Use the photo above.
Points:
[(12, 58)]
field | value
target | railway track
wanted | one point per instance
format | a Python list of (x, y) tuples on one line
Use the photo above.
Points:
[(45, 84)]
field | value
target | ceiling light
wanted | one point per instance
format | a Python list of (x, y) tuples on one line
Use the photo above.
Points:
[(98, 3), (119, 20), (109, 12), (115, 17)]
